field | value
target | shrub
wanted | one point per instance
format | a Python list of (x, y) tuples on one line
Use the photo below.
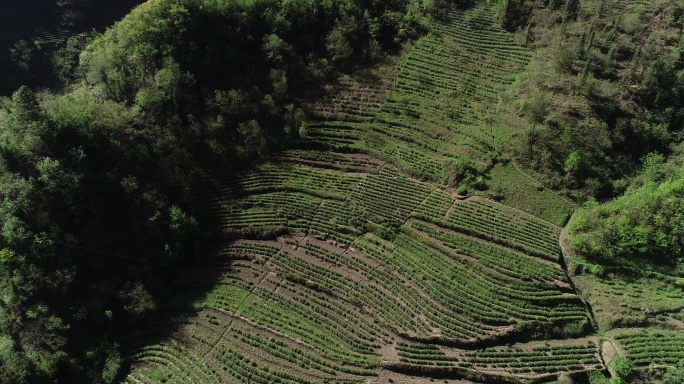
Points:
[(464, 171), (462, 190), (674, 375), (622, 368)]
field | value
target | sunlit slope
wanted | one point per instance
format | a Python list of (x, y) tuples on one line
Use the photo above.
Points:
[(440, 104), (334, 262), (378, 271), (446, 87), (646, 347)]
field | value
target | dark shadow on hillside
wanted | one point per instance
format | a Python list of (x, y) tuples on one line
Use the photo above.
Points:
[(583, 377), (593, 326), (31, 31), (180, 304), (184, 299)]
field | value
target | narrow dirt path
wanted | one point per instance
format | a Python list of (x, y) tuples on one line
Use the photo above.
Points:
[(451, 208), (564, 243), (419, 205), (237, 309)]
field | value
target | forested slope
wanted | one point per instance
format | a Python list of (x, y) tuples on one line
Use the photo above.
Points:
[(601, 103), (602, 91)]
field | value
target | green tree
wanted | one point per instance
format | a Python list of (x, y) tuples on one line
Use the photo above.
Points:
[(555, 4), (26, 106), (623, 370), (435, 8), (564, 60), (338, 46), (573, 163), (572, 8), (537, 108), (514, 14), (184, 232)]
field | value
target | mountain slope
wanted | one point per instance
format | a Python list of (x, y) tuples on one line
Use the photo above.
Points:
[(355, 269)]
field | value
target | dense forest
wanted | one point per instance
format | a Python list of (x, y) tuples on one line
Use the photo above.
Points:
[(641, 230), (97, 173)]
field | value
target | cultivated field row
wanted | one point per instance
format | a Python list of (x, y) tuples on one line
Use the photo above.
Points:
[(374, 262), (331, 264)]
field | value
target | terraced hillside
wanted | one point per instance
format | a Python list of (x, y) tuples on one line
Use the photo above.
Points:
[(381, 279), (440, 108), (307, 308), (647, 347), (334, 263), (430, 113)]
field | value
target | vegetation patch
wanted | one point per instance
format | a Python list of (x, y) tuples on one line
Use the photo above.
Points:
[(348, 192)]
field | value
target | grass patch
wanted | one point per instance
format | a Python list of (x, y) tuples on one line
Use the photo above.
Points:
[(515, 189)]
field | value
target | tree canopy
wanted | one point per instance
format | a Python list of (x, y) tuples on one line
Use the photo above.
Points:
[(640, 230), (611, 84)]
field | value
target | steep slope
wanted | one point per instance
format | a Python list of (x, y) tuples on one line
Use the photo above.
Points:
[(397, 275), (347, 269)]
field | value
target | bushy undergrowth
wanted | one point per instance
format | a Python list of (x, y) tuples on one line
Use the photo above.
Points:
[(603, 90), (642, 228)]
